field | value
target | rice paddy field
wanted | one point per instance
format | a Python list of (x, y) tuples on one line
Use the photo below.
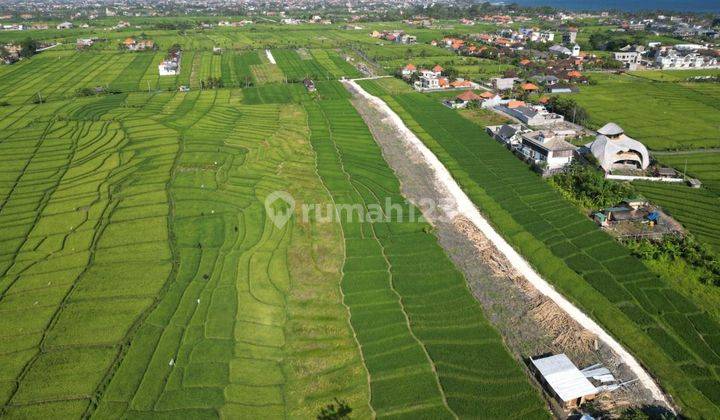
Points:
[(697, 209), (57, 75), (660, 109), (704, 165), (142, 275), (655, 319)]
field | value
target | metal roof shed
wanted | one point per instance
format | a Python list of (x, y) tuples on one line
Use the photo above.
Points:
[(565, 380)]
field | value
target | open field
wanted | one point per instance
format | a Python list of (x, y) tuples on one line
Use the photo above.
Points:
[(702, 165), (661, 114), (421, 332), (57, 75), (656, 320), (697, 210), (135, 239), (142, 274), (167, 203)]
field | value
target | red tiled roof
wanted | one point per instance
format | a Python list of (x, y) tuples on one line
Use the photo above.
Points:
[(469, 95), (461, 83)]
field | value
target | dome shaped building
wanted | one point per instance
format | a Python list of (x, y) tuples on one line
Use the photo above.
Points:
[(614, 150)]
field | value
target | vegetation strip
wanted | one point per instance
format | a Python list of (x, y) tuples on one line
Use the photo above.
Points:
[(655, 322), (466, 207), (446, 320)]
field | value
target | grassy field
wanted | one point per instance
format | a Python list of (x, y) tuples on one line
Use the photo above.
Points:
[(663, 114), (656, 319), (421, 331), (702, 165), (697, 210), (141, 275), (57, 75), (166, 201)]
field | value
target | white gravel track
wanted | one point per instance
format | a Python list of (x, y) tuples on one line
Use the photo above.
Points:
[(466, 207), (270, 57)]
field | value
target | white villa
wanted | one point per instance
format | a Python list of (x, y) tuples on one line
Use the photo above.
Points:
[(545, 146), (533, 115), (614, 150), (168, 68), (674, 59), (561, 50)]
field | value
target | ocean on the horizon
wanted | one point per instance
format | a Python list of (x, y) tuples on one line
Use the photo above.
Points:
[(701, 6)]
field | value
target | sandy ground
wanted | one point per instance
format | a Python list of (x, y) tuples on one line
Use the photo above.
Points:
[(533, 317)]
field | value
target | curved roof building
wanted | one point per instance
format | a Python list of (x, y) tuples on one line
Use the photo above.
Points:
[(614, 150)]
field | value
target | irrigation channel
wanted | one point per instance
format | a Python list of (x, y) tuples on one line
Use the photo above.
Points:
[(532, 315)]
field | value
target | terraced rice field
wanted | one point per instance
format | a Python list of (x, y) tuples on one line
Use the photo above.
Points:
[(702, 165), (428, 349), (697, 210), (670, 334), (661, 114), (142, 248), (141, 274), (57, 75)]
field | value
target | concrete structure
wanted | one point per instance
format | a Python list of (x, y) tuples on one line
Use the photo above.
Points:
[(570, 37), (564, 380), (168, 68), (545, 147), (504, 83), (631, 59), (676, 59), (510, 134), (614, 150), (576, 51), (534, 116), (560, 50), (462, 100)]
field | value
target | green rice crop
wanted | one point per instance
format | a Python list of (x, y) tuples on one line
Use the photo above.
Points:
[(426, 344), (515, 201)]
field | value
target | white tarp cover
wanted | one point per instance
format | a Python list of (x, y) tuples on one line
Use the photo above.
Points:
[(564, 377)]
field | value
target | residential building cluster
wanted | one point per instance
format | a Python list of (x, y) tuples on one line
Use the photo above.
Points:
[(668, 57), (397, 36), (170, 66), (132, 44), (433, 79)]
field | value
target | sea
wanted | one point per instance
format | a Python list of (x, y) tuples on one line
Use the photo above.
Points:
[(701, 6)]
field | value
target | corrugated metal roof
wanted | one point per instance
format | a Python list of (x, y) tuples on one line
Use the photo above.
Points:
[(564, 377)]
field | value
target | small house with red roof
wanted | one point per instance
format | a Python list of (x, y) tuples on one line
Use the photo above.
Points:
[(462, 100), (409, 70), (462, 84)]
